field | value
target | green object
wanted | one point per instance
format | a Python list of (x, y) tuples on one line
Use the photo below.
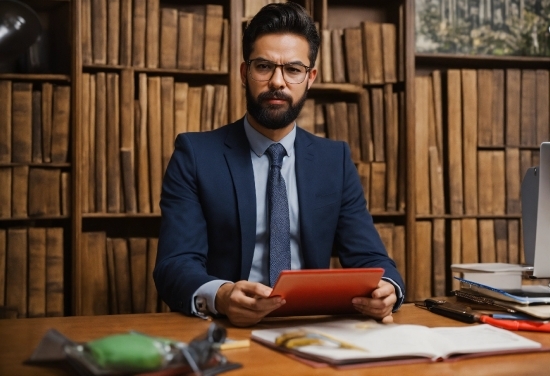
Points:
[(131, 351)]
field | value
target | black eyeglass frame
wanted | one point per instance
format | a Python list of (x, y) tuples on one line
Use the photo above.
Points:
[(308, 69)]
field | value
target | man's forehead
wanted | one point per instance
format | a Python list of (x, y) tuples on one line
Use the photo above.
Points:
[(281, 46)]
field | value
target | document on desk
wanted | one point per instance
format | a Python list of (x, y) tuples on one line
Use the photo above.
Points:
[(350, 341), (527, 295)]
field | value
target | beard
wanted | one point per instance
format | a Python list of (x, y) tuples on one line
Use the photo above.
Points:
[(273, 116)]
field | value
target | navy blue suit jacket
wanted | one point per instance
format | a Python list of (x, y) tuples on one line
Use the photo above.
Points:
[(208, 208)]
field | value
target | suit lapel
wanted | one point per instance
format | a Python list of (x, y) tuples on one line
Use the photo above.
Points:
[(237, 155)]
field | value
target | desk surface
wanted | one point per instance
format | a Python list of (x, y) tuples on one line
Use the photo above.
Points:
[(19, 337)]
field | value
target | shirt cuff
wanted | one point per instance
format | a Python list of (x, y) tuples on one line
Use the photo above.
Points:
[(398, 293), (208, 293)]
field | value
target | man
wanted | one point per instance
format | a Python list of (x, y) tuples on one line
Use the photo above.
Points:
[(215, 243)]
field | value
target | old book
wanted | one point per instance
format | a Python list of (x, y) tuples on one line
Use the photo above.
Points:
[(226, 37), (437, 194), (377, 111), (372, 46), (113, 144), (89, 138), (142, 158), (365, 123), (181, 90), (213, 36), (61, 118), (3, 248), (542, 105), (401, 43), (469, 140), (402, 157), (111, 276), (456, 249), (251, 7), (100, 141), (99, 31), (498, 129), (44, 192), (154, 135), (152, 34), (454, 144), (330, 120), (54, 272), (485, 176), (499, 182), (220, 113), (5, 121), (168, 37), (378, 187), (363, 169), (306, 118), (422, 159), (338, 61), (138, 272), (354, 137), (128, 180), (94, 280), (207, 105), (36, 127), (391, 137), (341, 112), (470, 241), (47, 109), (513, 181), (439, 265), (122, 275), (125, 56), (385, 230), (167, 119), (501, 240), (185, 40), (197, 51), (66, 193), (151, 296), (320, 123), (21, 122), (319, 61), (5, 191), (194, 105), (127, 126), (438, 110), (139, 27), (486, 232), (389, 44), (399, 250), (113, 31), (353, 48), (528, 118), (513, 106), (421, 262), (37, 272), (16, 270), (485, 107), (19, 193), (326, 58), (86, 31), (513, 229)]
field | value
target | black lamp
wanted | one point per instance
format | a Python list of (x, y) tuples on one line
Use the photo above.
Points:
[(19, 28)]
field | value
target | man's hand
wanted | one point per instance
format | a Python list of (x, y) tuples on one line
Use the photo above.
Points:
[(380, 304), (246, 303)]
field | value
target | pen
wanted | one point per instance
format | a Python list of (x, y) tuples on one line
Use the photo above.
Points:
[(534, 326)]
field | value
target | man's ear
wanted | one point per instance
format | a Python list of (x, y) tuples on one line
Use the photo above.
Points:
[(244, 71), (312, 76)]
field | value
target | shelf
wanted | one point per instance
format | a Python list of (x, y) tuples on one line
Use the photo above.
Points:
[(119, 215), (476, 61), (468, 216), (35, 77), (103, 67), (41, 165), (26, 219)]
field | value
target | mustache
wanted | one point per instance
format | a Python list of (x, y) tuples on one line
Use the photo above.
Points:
[(274, 95)]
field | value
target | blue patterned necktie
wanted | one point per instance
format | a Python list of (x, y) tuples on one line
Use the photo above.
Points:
[(279, 222)]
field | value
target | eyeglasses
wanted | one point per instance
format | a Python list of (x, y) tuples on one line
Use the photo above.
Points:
[(262, 70)]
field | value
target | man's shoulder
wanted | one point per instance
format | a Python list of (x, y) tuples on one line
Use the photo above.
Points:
[(215, 134), (318, 141)]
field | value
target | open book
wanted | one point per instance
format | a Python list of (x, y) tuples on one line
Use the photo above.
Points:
[(352, 341)]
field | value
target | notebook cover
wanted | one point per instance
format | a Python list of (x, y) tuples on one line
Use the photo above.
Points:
[(323, 291)]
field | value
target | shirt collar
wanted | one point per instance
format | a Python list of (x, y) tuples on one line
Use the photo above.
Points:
[(259, 143)]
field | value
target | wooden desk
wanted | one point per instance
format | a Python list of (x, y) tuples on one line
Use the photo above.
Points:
[(19, 337)]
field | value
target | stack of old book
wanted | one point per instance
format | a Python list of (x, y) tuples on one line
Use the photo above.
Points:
[(498, 287)]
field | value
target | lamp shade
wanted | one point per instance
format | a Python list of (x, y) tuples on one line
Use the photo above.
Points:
[(19, 28)]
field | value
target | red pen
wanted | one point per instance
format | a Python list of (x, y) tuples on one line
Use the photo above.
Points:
[(534, 326)]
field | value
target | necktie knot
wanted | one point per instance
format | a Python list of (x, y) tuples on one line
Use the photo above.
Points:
[(276, 153)]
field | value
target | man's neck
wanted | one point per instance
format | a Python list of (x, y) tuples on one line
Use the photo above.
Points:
[(273, 134)]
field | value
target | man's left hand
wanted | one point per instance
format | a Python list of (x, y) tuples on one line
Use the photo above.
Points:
[(379, 306)]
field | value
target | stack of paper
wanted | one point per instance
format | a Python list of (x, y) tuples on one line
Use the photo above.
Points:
[(498, 275)]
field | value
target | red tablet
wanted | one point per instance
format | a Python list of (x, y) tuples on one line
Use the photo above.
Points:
[(323, 291)]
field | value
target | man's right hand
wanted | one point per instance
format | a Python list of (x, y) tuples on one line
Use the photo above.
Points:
[(246, 303)]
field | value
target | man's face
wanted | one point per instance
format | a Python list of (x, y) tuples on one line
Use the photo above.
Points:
[(274, 103)]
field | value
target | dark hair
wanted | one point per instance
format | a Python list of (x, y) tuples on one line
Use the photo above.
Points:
[(282, 18)]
